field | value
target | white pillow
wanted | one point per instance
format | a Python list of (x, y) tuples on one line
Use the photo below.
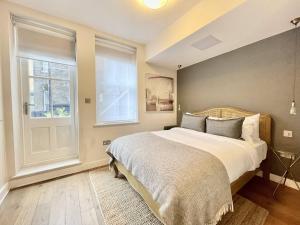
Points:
[(222, 118), (250, 129), (215, 118)]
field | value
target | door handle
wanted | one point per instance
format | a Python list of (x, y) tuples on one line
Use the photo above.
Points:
[(26, 105)]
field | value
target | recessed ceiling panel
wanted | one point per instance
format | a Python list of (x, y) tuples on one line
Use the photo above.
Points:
[(206, 42)]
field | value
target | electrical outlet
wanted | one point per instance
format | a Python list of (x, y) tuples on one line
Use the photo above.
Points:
[(106, 142), (288, 133)]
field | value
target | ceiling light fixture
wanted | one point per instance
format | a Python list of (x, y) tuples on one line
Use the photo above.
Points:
[(155, 4)]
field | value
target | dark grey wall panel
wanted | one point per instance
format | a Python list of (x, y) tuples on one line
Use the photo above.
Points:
[(257, 77)]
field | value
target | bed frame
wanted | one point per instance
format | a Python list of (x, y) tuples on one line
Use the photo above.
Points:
[(225, 112)]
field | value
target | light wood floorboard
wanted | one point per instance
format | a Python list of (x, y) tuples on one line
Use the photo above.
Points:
[(71, 201), (65, 201)]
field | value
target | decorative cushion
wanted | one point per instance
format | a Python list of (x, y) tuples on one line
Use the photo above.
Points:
[(250, 131), (193, 122), (231, 128)]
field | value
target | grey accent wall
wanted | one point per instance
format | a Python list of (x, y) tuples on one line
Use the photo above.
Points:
[(258, 78)]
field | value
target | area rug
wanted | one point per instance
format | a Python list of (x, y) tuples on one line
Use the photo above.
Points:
[(120, 204)]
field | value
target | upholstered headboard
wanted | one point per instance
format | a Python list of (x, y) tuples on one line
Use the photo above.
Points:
[(228, 112)]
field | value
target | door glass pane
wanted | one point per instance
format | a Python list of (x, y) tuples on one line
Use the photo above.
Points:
[(60, 91), (49, 88), (39, 98), (59, 71), (40, 68)]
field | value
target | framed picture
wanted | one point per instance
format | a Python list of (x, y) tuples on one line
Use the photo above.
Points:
[(159, 93)]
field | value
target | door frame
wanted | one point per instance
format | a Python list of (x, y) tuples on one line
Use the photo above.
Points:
[(20, 154)]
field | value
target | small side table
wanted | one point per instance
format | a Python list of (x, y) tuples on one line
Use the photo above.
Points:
[(293, 159), (170, 127)]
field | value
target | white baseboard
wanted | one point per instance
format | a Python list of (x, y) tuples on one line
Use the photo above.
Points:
[(32, 170), (27, 180), (3, 192), (273, 177)]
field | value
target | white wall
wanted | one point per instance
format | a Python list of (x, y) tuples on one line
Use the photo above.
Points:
[(3, 171), (90, 137)]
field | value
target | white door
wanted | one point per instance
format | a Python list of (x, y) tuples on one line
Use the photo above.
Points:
[(48, 111)]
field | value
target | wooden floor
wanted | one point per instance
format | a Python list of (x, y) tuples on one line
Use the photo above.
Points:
[(285, 210), (70, 201), (65, 201)]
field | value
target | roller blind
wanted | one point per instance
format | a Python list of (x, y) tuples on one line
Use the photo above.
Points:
[(42, 41), (116, 83)]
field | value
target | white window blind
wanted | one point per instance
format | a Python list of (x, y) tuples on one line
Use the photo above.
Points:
[(41, 41), (116, 83)]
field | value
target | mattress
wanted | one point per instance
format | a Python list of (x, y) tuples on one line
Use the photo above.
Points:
[(238, 156)]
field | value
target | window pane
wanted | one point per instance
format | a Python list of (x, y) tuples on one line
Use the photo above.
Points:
[(39, 95), (40, 68), (116, 84), (35, 68), (48, 97), (60, 91), (59, 71)]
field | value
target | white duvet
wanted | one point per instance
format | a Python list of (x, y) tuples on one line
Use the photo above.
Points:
[(238, 156)]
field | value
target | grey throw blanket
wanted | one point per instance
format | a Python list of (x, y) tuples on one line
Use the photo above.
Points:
[(190, 185)]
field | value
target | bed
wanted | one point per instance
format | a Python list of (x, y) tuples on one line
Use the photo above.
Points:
[(239, 173)]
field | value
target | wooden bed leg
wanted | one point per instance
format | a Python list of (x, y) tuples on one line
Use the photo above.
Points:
[(113, 165), (116, 171), (266, 175), (266, 169)]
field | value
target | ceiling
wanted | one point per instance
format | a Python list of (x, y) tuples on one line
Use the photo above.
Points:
[(172, 32), (128, 19), (251, 21)]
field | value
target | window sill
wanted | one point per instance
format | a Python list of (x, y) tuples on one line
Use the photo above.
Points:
[(116, 124), (46, 168)]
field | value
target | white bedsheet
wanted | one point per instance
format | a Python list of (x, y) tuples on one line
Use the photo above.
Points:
[(238, 156)]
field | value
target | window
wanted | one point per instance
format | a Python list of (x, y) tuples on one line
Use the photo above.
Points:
[(116, 83), (46, 58)]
